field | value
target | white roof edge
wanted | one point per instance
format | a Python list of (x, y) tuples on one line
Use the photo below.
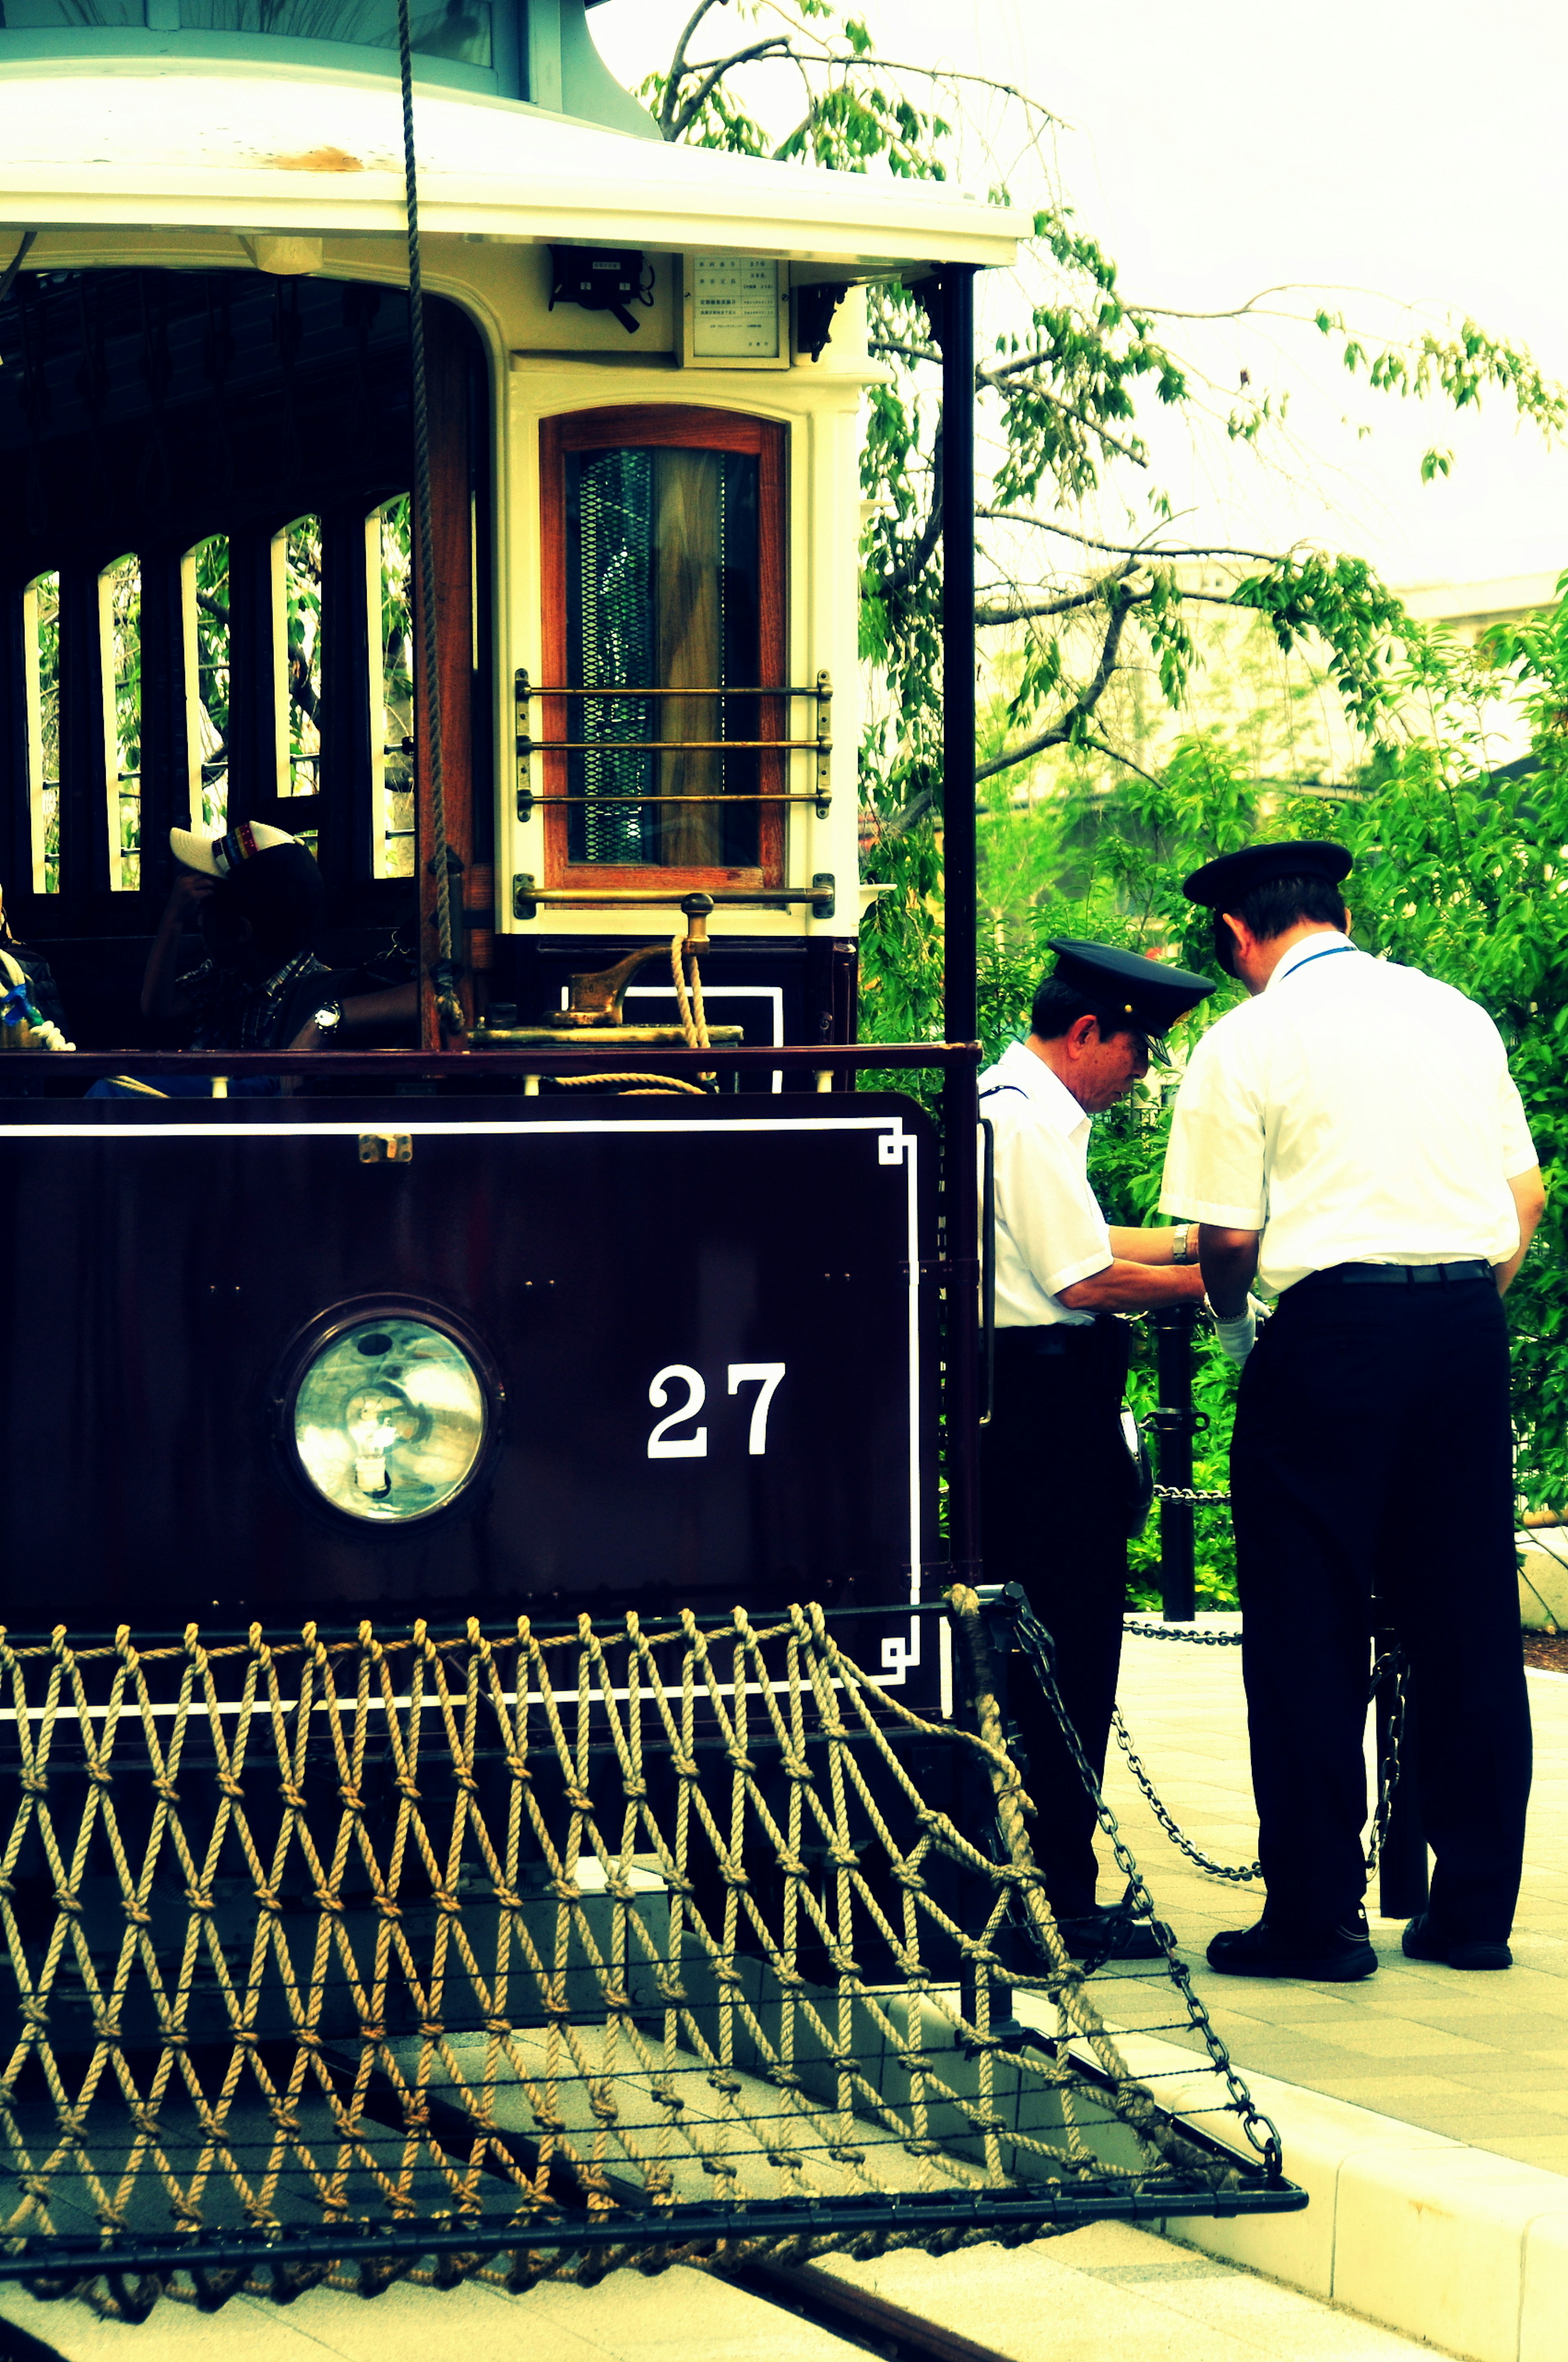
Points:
[(234, 148)]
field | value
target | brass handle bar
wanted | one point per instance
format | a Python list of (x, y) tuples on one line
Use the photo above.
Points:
[(588, 897), (761, 797), (663, 745), (528, 689)]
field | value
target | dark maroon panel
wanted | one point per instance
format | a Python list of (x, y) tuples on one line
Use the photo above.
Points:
[(162, 1263)]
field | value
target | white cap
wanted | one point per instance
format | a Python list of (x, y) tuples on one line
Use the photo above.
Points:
[(217, 855)]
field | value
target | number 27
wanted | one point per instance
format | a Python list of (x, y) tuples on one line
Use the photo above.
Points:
[(662, 1445)]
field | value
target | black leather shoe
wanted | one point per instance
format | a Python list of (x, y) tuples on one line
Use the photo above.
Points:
[(1330, 1956), (1111, 1935), (1422, 1941)]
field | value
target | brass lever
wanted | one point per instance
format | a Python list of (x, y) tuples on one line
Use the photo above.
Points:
[(599, 997)]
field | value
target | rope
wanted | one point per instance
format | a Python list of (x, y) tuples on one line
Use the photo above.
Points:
[(648, 1089), (324, 1958), (446, 967), (694, 1025), (694, 1015)]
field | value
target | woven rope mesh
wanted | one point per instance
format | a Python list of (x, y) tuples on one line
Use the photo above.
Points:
[(524, 1953)]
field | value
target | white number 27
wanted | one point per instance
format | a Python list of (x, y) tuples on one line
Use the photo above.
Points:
[(662, 1445)]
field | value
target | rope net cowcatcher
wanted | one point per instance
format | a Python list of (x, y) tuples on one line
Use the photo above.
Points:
[(527, 1953)]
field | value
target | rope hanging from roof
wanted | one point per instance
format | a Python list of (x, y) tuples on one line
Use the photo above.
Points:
[(448, 967)]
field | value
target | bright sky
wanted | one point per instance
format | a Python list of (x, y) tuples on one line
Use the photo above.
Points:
[(1409, 147)]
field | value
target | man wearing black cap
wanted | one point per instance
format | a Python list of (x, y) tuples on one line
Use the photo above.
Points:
[(1352, 1134), (1058, 1480)]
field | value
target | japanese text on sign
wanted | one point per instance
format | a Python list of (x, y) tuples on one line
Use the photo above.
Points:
[(735, 308)]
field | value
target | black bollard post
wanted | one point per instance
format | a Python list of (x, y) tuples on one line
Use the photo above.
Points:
[(1173, 1327), (1402, 1875)]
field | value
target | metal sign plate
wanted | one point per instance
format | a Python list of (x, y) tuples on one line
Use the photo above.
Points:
[(701, 1336)]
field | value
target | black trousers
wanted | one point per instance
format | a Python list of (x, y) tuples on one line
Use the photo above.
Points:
[(1057, 1491), (1373, 1448)]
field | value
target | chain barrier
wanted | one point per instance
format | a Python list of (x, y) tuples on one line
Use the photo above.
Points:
[(1208, 1639), (1195, 1500), (1037, 1645), (1238, 1875), (1390, 1664)]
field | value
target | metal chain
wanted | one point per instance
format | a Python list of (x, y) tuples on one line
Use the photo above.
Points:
[(1180, 1632), (1237, 1875), (1392, 1661), (1196, 1500), (1036, 1642)]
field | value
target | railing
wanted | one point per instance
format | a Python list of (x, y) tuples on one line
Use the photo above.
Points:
[(529, 799)]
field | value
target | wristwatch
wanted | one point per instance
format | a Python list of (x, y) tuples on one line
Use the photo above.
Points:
[(1181, 1246), (328, 1018)]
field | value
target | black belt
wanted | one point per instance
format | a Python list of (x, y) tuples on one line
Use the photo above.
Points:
[(1397, 1274), (1105, 1336)]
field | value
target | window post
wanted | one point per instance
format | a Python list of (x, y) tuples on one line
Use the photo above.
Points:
[(955, 313)]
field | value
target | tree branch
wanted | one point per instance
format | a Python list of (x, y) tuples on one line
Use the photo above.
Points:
[(1060, 735), (1124, 549), (984, 377), (910, 568), (690, 108), (987, 617), (678, 67), (1069, 410)]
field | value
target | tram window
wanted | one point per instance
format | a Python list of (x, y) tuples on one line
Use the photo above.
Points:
[(206, 582), (458, 29), (119, 610), (662, 591), (664, 555), (40, 627), (302, 654), (392, 632)]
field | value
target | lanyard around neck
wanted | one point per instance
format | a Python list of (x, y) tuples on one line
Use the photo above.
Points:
[(1332, 951)]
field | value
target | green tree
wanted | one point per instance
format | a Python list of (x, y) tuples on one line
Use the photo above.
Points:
[(1070, 376)]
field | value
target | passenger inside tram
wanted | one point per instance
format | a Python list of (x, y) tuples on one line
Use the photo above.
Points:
[(259, 900), (29, 997)]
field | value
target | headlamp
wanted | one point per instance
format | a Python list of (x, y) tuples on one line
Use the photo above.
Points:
[(389, 1419)]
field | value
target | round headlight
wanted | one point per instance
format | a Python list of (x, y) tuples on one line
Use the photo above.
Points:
[(389, 1420)]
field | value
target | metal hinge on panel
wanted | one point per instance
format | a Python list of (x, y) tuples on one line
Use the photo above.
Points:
[(386, 1148), (524, 905)]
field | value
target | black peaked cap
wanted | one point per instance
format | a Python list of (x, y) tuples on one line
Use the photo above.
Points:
[(1221, 884), (1149, 993)]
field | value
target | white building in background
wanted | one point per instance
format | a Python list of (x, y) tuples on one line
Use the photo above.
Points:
[(1471, 609)]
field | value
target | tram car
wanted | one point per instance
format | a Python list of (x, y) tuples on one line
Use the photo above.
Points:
[(553, 1289), (485, 1778)]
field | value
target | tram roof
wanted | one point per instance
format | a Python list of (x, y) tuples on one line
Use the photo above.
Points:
[(247, 148)]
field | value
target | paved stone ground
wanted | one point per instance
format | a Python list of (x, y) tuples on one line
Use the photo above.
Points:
[(1480, 2058), (1107, 2290)]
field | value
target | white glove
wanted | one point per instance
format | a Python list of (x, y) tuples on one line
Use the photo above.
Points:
[(1238, 1335)]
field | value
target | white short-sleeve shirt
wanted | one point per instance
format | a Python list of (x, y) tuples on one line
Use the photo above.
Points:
[(1050, 1229), (1354, 1112)]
